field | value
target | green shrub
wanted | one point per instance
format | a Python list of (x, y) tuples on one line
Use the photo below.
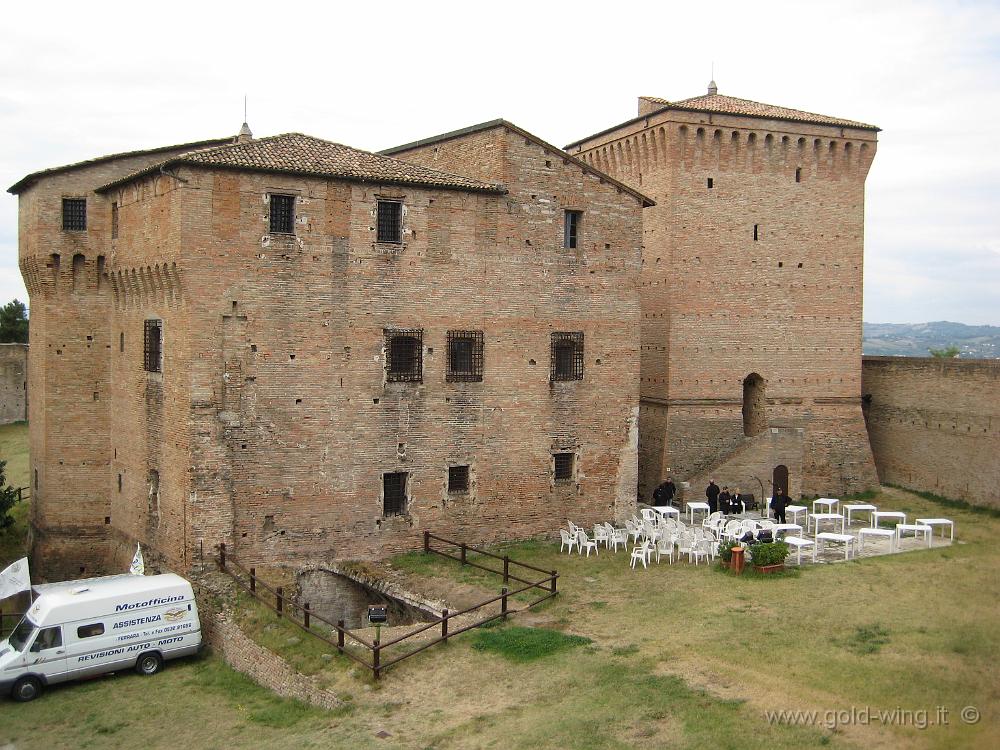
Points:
[(770, 553), (726, 551)]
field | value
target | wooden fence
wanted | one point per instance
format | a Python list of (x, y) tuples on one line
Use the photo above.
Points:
[(372, 654)]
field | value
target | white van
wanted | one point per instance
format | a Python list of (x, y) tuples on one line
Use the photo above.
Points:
[(88, 627)]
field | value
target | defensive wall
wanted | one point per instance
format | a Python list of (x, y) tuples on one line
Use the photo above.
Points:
[(13, 383)]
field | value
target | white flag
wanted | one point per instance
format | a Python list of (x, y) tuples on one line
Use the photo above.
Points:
[(15, 579), (138, 567)]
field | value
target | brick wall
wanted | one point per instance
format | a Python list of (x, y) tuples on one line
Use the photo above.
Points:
[(13, 383), (719, 305), (934, 424)]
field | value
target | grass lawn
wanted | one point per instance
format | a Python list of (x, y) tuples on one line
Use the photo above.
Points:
[(674, 656)]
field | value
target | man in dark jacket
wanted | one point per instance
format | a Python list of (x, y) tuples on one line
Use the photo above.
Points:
[(712, 493), (780, 501), (664, 494), (724, 500)]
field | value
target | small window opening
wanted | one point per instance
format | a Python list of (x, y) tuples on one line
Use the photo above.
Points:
[(119, 482), (36, 479), (152, 343), (74, 214), (458, 479), (756, 232), (563, 466), (711, 183), (465, 356), (404, 356), (389, 221), (571, 229), (798, 174), (394, 493), (114, 221), (282, 220), (567, 356), (121, 341)]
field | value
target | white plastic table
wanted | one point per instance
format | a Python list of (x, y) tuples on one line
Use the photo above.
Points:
[(855, 507), (692, 507), (942, 522), (797, 528), (799, 543), (667, 510), (794, 510), (885, 533), (826, 502), (846, 539), (878, 515), (817, 518), (917, 529)]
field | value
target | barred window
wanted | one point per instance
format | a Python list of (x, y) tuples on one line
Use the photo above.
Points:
[(465, 356), (571, 228), (152, 345), (74, 214), (567, 356), (404, 356), (562, 466), (282, 214), (458, 479), (394, 493), (390, 221)]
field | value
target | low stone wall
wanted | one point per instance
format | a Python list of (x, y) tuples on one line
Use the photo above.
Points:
[(934, 424), (262, 666)]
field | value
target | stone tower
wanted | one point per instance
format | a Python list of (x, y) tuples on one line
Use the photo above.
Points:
[(751, 291)]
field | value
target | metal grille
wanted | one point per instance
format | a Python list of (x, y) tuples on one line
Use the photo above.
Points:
[(465, 356), (571, 229), (394, 494), (152, 341), (74, 213), (563, 466), (567, 356), (458, 479), (282, 214), (404, 354), (390, 221)]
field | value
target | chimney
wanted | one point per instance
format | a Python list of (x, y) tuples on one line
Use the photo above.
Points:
[(713, 88), (245, 136)]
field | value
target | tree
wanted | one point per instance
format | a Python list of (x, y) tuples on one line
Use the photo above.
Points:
[(8, 497), (14, 323), (947, 353)]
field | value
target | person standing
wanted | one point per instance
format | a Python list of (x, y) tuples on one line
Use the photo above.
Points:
[(664, 494), (779, 502), (725, 499), (736, 502), (712, 493)]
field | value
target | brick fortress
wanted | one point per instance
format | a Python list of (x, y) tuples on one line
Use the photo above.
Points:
[(751, 292), (311, 352)]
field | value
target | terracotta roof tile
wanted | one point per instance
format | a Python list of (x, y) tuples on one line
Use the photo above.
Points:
[(295, 153), (733, 106)]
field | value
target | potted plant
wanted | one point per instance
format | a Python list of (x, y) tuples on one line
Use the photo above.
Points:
[(769, 557), (725, 553)]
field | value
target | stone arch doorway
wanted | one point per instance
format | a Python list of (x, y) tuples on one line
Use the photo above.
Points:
[(754, 412), (779, 479)]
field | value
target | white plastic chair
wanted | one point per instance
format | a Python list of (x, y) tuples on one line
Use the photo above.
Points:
[(618, 536), (634, 530), (600, 534), (568, 540), (586, 543), (665, 546), (648, 514), (640, 552), (699, 550), (684, 544)]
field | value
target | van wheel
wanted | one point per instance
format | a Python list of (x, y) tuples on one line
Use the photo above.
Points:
[(149, 664), (26, 689)]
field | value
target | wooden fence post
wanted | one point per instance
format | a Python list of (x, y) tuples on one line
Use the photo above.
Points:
[(222, 555), (340, 636), (444, 625), (306, 617), (253, 580), (553, 582), (427, 541), (463, 552), (506, 569), (503, 602), (280, 598), (376, 659)]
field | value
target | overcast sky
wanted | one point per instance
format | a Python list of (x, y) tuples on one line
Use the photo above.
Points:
[(79, 81)]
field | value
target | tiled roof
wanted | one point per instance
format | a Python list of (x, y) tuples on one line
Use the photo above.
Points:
[(298, 154), (730, 105), (26, 181)]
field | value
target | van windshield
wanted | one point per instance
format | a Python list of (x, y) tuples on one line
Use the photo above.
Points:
[(21, 634)]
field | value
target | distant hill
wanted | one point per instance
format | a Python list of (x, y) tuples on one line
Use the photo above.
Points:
[(917, 339)]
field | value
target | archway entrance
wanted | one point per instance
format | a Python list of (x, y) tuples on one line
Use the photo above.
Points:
[(754, 414), (779, 479)]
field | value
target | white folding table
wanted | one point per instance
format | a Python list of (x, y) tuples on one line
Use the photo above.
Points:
[(815, 519), (846, 539), (826, 502), (799, 543), (667, 510), (942, 522), (878, 515), (884, 533), (692, 507), (794, 511), (855, 507), (786, 527), (917, 529)]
